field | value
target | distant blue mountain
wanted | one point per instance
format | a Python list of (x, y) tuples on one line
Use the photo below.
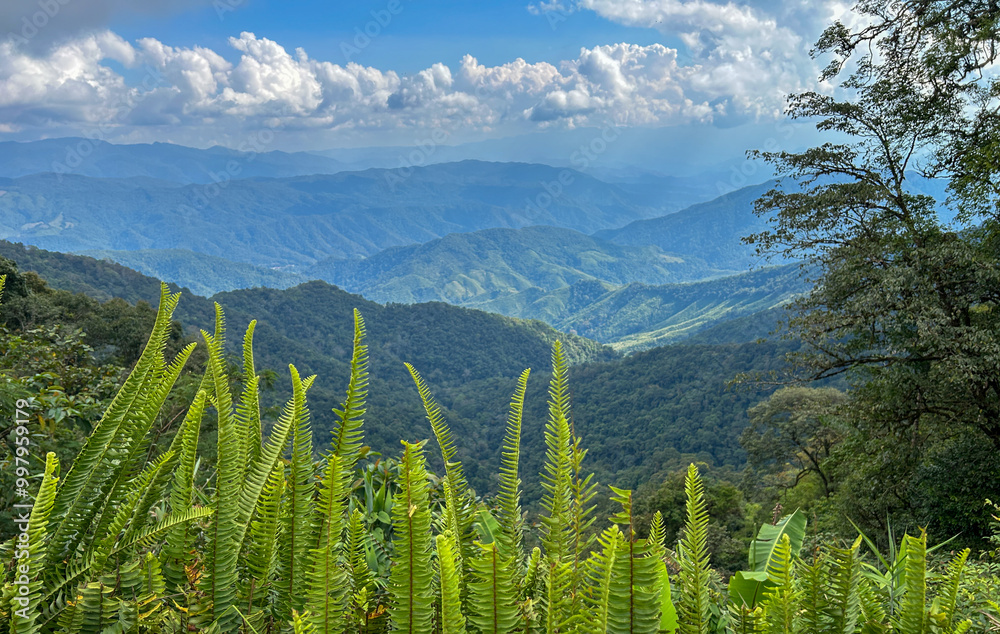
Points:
[(162, 161), (304, 219)]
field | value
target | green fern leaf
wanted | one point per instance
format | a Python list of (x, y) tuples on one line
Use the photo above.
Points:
[(31, 554), (348, 434), (693, 602), (326, 587), (509, 495), (452, 619), (177, 552), (492, 594), (411, 579)]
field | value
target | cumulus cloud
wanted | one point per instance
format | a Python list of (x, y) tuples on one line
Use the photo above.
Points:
[(739, 62), (746, 56)]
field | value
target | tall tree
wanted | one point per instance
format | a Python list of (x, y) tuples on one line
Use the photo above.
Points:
[(905, 303)]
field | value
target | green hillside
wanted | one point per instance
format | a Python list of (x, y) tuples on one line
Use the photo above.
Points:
[(203, 274), (640, 316), (711, 230), (471, 268), (471, 359)]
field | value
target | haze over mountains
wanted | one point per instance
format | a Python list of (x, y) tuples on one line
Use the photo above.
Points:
[(609, 260)]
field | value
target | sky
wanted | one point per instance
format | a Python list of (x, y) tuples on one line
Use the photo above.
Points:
[(332, 73)]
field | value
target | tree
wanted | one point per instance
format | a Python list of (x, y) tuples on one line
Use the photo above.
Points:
[(904, 303), (797, 427)]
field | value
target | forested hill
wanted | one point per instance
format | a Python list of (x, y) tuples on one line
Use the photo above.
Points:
[(470, 268), (675, 395)]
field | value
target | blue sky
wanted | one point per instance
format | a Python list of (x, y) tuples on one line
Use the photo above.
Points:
[(421, 34), (204, 72)]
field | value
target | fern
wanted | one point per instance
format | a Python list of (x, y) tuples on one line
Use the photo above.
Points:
[(692, 551), (452, 619), (945, 604), (31, 555), (296, 513), (262, 539), (458, 499), (411, 580), (180, 541), (54, 598), (600, 570), (326, 589), (361, 574), (347, 431), (104, 452), (811, 607), (635, 584), (913, 614), (779, 602), (509, 495), (248, 408), (492, 593), (222, 550)]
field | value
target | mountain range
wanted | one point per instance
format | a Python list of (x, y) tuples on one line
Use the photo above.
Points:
[(305, 219)]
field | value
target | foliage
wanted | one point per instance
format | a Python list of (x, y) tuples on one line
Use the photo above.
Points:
[(792, 435), (307, 566), (643, 416), (905, 303)]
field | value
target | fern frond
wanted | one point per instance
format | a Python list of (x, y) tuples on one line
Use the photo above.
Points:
[(658, 534), (811, 607), (558, 469), (104, 452), (913, 611), (361, 574), (31, 554), (872, 612), (779, 601), (492, 594), (248, 408), (844, 606), (509, 495), (635, 585), (945, 604), (600, 570), (326, 580), (296, 513), (452, 619), (348, 431), (54, 599), (411, 579), (458, 503), (262, 541), (223, 547), (178, 550), (133, 444), (131, 515), (694, 608)]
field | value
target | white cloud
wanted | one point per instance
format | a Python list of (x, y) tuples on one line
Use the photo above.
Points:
[(740, 63)]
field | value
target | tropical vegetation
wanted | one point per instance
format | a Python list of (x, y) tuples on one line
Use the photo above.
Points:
[(129, 539)]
